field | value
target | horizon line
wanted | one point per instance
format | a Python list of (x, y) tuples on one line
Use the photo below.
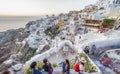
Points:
[(42, 14), (5, 15)]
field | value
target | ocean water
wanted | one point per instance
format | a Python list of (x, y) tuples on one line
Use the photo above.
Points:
[(15, 22)]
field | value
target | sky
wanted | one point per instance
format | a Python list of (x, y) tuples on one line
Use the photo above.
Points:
[(40, 7)]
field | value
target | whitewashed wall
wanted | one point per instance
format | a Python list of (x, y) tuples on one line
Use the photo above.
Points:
[(105, 43)]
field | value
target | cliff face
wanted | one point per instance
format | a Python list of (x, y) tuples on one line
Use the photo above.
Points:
[(8, 43), (10, 46)]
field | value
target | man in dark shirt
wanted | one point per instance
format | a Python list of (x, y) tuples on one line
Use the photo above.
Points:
[(36, 71)]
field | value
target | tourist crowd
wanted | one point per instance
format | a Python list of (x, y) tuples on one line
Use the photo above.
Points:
[(48, 69)]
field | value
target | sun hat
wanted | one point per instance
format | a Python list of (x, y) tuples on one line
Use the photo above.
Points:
[(83, 60)]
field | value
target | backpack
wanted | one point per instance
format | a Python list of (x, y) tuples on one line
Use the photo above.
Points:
[(76, 67)]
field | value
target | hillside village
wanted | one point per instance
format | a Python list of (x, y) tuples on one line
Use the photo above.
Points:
[(66, 36)]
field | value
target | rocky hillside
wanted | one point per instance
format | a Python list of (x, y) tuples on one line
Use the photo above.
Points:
[(8, 41)]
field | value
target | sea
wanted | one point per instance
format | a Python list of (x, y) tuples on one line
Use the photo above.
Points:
[(15, 22)]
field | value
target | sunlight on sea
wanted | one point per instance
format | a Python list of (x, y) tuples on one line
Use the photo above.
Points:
[(7, 23)]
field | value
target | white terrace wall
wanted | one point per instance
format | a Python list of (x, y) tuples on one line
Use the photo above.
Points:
[(51, 51), (105, 43)]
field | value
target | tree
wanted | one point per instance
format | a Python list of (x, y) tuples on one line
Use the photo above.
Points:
[(108, 23), (52, 31)]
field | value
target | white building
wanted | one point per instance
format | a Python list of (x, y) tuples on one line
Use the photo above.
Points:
[(84, 15), (107, 8), (108, 3), (91, 16)]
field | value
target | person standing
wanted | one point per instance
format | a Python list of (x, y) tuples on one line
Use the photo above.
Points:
[(35, 69), (93, 49), (86, 49), (47, 67), (81, 65), (66, 67), (63, 67)]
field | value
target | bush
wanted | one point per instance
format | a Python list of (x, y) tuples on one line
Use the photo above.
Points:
[(18, 48), (52, 31), (27, 57), (31, 52), (27, 70), (108, 22), (40, 64), (71, 65), (45, 48), (54, 65)]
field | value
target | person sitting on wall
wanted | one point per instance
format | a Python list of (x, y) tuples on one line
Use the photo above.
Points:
[(93, 49), (86, 49)]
